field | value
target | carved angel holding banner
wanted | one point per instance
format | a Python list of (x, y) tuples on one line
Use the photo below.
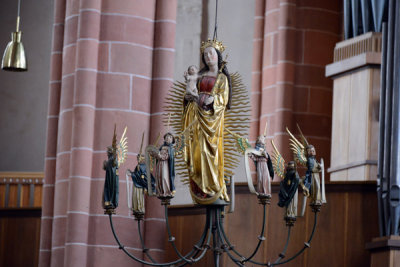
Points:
[(304, 153), (264, 168), (262, 162), (116, 154)]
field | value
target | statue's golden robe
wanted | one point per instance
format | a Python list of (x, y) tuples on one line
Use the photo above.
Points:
[(204, 155)]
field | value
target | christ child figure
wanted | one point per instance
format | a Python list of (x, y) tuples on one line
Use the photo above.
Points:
[(191, 76)]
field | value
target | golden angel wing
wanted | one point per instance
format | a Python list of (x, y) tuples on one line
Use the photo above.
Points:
[(241, 143), (122, 148), (303, 138), (278, 161), (298, 149)]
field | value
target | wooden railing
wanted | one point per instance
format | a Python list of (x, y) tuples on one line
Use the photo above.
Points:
[(21, 190)]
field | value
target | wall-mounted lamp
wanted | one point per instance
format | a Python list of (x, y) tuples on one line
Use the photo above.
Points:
[(14, 55)]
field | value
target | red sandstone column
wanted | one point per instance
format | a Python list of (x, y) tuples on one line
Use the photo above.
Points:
[(82, 131), (297, 42), (52, 135), (258, 50), (102, 74), (162, 79), (293, 88)]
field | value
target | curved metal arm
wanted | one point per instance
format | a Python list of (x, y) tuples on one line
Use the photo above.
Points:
[(196, 247), (306, 245), (203, 247), (207, 246), (236, 261), (129, 254), (229, 243), (282, 254), (171, 239), (145, 250), (261, 239), (220, 239), (135, 258)]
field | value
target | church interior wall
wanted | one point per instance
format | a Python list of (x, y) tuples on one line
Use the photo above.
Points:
[(281, 51), (24, 96)]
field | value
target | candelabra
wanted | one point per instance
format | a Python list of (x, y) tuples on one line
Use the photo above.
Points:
[(214, 229)]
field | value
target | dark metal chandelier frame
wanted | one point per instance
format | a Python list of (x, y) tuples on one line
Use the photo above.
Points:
[(214, 227)]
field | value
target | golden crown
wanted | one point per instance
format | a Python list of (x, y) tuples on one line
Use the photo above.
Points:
[(214, 43)]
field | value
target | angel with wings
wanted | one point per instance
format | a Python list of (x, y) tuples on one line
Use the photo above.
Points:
[(264, 168), (136, 191), (262, 161), (116, 154), (304, 153), (288, 188)]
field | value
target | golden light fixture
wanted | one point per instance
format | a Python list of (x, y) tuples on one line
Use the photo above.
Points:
[(14, 56)]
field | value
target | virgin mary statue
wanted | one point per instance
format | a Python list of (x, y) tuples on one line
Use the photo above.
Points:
[(204, 154)]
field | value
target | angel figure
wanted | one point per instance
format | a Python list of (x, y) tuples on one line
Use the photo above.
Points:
[(262, 161), (264, 168), (116, 154), (288, 191), (288, 188), (305, 154), (139, 179)]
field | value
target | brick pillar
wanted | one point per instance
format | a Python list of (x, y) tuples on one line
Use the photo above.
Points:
[(256, 89), (162, 79), (102, 73), (290, 82)]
